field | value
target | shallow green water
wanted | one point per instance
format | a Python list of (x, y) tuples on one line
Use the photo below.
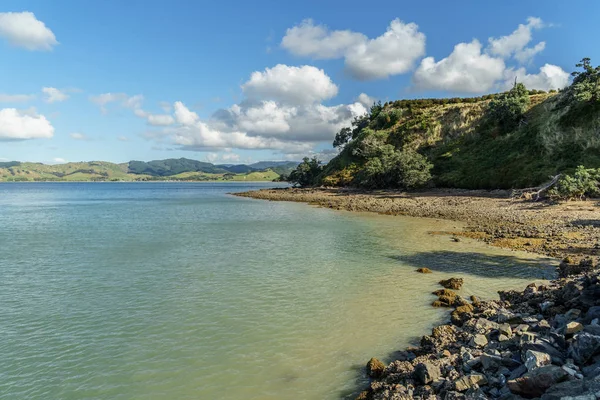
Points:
[(180, 291)]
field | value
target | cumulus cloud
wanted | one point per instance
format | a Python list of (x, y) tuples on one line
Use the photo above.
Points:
[(281, 111), (366, 100), (58, 160), (22, 125), (54, 95), (549, 77), (466, 69), (317, 41), (395, 52), (23, 29), (16, 98), (472, 69), (297, 85), (160, 119), (514, 45)]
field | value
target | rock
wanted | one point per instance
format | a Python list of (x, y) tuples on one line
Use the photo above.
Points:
[(445, 292), (468, 381), (424, 270), (566, 269), (461, 313), (426, 372), (536, 382), (573, 327), (536, 359), (491, 362), (584, 347), (478, 341), (505, 329), (375, 368), (452, 283), (564, 390), (592, 313), (439, 303)]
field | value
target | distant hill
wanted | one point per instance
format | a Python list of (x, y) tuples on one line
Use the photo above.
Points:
[(172, 166), (170, 169), (237, 169)]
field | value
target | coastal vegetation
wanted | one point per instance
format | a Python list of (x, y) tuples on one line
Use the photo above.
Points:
[(171, 169), (519, 138)]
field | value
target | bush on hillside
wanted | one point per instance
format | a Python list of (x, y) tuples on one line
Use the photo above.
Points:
[(388, 167), (586, 83), (585, 182), (306, 173), (508, 108)]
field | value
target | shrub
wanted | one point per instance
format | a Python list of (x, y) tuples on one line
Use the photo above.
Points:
[(388, 167), (507, 109), (586, 83), (585, 182), (306, 172)]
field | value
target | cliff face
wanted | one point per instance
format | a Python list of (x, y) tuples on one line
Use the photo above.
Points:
[(468, 149)]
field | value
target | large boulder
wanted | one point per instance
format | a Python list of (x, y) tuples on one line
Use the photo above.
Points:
[(536, 359), (536, 382), (452, 283), (584, 347), (468, 381), (426, 372), (375, 368)]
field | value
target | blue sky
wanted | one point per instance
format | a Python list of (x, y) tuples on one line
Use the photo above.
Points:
[(263, 80)]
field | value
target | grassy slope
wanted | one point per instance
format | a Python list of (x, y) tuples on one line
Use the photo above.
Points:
[(105, 171), (467, 153)]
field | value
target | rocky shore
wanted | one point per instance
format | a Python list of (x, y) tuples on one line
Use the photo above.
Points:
[(543, 342), (570, 229)]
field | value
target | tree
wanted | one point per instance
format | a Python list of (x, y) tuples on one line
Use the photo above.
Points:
[(388, 167), (586, 83), (346, 134), (306, 173), (508, 108)]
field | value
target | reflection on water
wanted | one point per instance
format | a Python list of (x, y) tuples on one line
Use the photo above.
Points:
[(177, 290)]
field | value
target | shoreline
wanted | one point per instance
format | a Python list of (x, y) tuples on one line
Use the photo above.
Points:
[(567, 230), (542, 342)]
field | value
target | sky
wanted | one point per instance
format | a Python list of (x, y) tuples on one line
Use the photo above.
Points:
[(238, 82)]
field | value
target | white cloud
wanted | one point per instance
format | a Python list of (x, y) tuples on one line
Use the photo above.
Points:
[(16, 98), (59, 160), (281, 111), (466, 69), (395, 52), (23, 29), (21, 125), (514, 45), (78, 136), (54, 95), (295, 85), (470, 69), (310, 40), (549, 77), (160, 119), (366, 100), (123, 138), (183, 115)]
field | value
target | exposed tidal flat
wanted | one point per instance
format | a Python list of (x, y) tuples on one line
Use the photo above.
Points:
[(179, 290)]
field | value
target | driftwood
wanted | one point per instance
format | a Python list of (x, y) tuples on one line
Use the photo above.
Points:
[(534, 193)]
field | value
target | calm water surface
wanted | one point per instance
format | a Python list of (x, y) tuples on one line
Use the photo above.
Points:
[(180, 291)]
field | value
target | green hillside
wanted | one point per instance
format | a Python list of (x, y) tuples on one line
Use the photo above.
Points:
[(514, 139)]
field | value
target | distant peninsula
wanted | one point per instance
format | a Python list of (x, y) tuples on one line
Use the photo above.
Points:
[(181, 169)]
